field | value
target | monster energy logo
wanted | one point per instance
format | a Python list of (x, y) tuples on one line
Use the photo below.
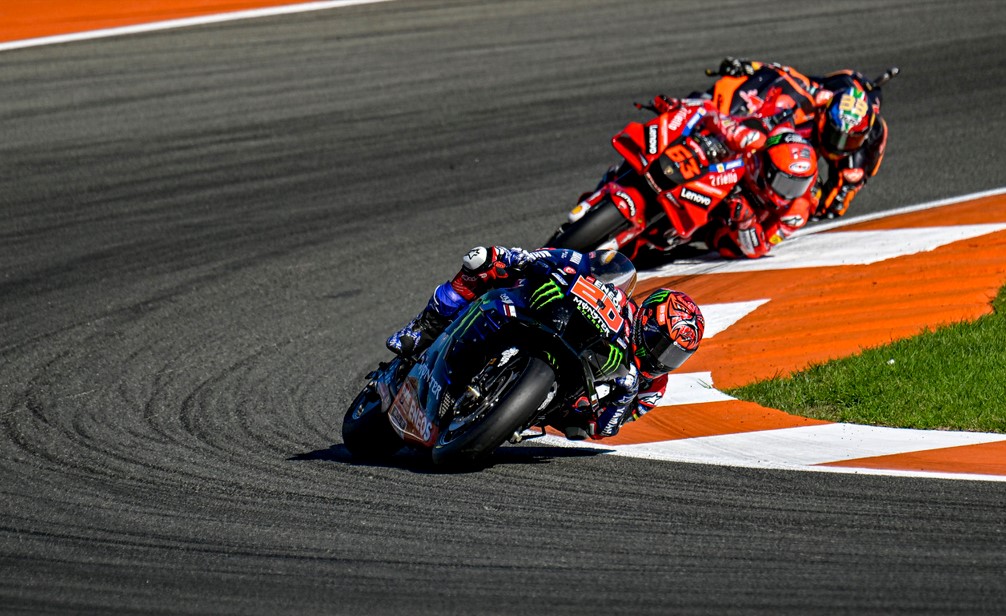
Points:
[(657, 297), (784, 138), (545, 294), (615, 357), (469, 318)]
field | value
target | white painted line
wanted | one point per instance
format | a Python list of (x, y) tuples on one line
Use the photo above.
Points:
[(801, 449), (832, 249), (844, 222), (691, 388), (805, 445), (719, 317), (184, 23)]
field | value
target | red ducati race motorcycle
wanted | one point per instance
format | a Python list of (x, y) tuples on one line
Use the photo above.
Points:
[(666, 190)]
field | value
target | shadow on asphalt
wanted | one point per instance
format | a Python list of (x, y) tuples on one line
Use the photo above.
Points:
[(419, 461)]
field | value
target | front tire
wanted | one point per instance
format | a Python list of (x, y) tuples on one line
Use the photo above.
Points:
[(512, 397), (366, 430), (600, 224)]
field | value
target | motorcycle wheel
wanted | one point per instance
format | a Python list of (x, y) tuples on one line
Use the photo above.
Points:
[(510, 398), (597, 226), (366, 431)]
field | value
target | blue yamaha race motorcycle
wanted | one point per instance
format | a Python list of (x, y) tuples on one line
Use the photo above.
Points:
[(514, 360)]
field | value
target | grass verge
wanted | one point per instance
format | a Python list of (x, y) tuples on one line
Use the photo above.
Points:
[(952, 378)]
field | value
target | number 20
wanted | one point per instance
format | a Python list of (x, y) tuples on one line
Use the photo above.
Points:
[(600, 301)]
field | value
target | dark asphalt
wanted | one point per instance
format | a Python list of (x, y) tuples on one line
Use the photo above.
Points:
[(207, 233)]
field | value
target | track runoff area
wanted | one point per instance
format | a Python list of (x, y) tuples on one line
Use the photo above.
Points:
[(827, 293)]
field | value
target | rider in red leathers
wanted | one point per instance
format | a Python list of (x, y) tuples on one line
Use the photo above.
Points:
[(774, 199), (776, 196), (720, 136), (661, 332), (839, 113)]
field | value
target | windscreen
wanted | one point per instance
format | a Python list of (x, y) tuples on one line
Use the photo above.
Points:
[(614, 268)]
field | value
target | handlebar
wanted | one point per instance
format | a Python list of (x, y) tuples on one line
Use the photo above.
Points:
[(888, 75)]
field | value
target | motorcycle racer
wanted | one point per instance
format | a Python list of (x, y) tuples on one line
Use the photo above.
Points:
[(719, 135), (839, 112), (662, 332), (775, 198)]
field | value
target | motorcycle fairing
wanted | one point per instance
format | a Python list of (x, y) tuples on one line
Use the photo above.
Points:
[(747, 95), (641, 144), (688, 205), (408, 418)]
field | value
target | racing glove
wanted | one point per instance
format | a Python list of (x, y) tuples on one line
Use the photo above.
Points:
[(836, 199), (736, 67), (741, 138), (662, 103)]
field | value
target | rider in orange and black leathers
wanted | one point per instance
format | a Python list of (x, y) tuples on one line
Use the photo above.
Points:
[(839, 113)]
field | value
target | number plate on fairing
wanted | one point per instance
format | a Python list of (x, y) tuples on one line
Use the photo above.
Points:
[(408, 418)]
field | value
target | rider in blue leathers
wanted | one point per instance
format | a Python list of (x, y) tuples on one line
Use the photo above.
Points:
[(661, 333)]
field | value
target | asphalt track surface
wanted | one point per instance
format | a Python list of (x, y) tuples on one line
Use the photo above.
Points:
[(207, 233)]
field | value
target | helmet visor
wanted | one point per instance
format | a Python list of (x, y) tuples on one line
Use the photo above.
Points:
[(661, 352), (785, 185), (836, 141)]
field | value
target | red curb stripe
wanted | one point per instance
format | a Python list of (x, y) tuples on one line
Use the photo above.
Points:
[(706, 419), (980, 211), (985, 459), (27, 19)]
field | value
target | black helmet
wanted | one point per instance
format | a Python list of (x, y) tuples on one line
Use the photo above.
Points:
[(845, 123), (667, 331)]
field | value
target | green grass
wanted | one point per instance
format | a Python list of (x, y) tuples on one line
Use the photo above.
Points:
[(953, 378)]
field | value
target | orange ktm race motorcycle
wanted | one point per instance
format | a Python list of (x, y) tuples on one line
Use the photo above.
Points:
[(770, 89)]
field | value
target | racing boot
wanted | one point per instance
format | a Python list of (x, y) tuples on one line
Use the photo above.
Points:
[(420, 333)]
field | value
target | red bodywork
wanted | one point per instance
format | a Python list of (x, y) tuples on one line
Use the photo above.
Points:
[(674, 188)]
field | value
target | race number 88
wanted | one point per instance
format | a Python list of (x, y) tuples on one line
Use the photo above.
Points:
[(852, 104)]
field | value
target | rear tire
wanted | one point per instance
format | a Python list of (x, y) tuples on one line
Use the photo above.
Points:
[(366, 430), (597, 226), (511, 400)]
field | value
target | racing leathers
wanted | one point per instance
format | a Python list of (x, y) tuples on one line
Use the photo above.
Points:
[(730, 136), (752, 228), (774, 198), (625, 394), (718, 135), (847, 172)]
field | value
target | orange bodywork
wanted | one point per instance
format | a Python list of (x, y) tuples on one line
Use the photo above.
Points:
[(25, 19)]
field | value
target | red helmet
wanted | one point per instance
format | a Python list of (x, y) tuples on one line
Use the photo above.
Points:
[(667, 331), (785, 168), (845, 123)]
